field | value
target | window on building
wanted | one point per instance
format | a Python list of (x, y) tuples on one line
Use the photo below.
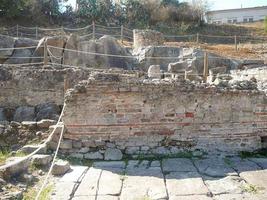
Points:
[(250, 19), (245, 20), (229, 21), (234, 21)]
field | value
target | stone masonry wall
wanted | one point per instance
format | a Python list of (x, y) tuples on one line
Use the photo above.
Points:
[(138, 116), (30, 86)]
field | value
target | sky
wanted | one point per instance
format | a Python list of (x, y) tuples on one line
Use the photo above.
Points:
[(224, 4)]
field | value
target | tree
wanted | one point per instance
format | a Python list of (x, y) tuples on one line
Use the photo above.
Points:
[(265, 24), (12, 8)]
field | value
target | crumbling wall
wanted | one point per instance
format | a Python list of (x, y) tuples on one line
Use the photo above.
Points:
[(30, 86), (140, 116)]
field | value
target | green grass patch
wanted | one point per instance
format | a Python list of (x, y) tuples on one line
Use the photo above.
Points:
[(31, 193), (256, 154), (3, 156), (253, 189)]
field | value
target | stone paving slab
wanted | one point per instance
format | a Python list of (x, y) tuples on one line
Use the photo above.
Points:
[(110, 183), (242, 165), (256, 178), (185, 183), (191, 197), (239, 197), (89, 184), (178, 165), (74, 175), (214, 167), (107, 197), (262, 162), (141, 183), (226, 185), (63, 190)]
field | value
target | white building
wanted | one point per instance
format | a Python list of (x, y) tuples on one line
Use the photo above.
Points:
[(240, 15)]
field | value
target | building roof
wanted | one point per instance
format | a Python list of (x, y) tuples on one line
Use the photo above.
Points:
[(237, 9)]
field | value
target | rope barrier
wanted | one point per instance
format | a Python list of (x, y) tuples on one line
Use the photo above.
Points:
[(38, 149), (55, 156), (14, 48), (23, 64), (76, 29), (53, 56)]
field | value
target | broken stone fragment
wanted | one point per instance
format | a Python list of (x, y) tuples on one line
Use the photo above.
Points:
[(41, 160), (29, 124), (27, 149), (94, 156), (16, 168), (60, 167), (113, 154), (154, 71), (45, 123), (24, 113)]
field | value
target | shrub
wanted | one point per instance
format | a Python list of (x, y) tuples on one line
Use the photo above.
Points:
[(265, 24)]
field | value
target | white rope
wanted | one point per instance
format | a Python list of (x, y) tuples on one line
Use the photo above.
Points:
[(31, 47), (111, 27), (18, 57), (49, 29), (178, 36), (38, 149), (39, 63), (77, 29), (83, 36), (54, 159), (53, 56), (31, 27)]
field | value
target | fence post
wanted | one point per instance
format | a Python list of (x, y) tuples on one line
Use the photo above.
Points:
[(66, 83), (36, 32), (17, 30), (45, 52), (206, 67), (185, 75), (197, 38), (122, 34), (235, 43), (93, 30)]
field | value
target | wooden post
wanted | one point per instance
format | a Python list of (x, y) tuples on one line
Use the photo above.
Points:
[(235, 43), (17, 30), (197, 38), (206, 67), (66, 83), (122, 34), (45, 52), (93, 30), (185, 75), (36, 32)]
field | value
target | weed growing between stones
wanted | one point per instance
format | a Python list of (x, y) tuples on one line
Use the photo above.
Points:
[(256, 154), (251, 189), (3, 156), (32, 192)]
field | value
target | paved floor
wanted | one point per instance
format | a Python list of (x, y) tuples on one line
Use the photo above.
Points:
[(173, 179)]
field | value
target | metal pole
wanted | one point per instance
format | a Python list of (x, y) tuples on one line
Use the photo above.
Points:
[(235, 43), (45, 52), (206, 67), (17, 30), (122, 34), (36, 32), (197, 38), (93, 30)]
